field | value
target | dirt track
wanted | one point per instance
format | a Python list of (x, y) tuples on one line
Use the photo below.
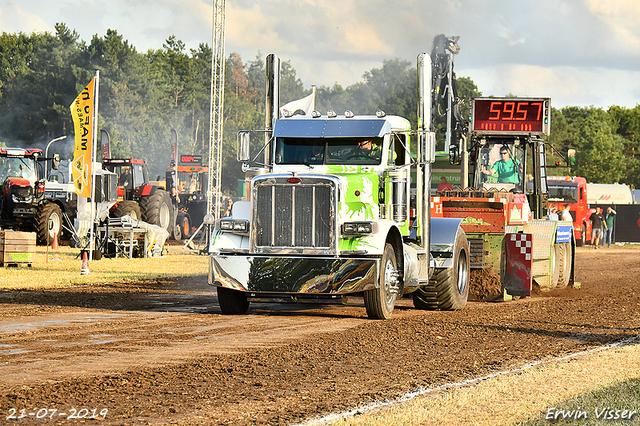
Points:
[(160, 352)]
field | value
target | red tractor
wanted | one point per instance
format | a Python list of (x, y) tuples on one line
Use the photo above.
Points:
[(23, 204), (137, 197)]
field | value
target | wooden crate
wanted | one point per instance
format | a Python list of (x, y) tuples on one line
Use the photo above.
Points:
[(17, 248)]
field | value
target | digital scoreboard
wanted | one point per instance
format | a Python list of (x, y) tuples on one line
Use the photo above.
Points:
[(511, 116), (193, 160)]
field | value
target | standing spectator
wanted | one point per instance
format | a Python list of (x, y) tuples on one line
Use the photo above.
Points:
[(565, 215), (227, 212), (445, 185), (553, 215), (597, 223), (608, 223)]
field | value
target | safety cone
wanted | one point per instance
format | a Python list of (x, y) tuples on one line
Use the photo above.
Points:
[(84, 270), (54, 244)]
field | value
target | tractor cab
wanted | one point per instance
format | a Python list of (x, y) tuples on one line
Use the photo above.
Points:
[(132, 175)]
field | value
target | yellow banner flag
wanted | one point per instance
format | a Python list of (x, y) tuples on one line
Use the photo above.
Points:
[(82, 114)]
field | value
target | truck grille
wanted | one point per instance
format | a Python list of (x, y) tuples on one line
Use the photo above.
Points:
[(297, 216)]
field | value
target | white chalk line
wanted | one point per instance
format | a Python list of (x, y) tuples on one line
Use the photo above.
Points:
[(448, 386)]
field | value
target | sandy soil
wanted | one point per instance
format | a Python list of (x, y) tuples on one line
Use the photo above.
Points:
[(161, 352)]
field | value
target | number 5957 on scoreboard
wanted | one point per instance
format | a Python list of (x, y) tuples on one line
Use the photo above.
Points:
[(511, 116)]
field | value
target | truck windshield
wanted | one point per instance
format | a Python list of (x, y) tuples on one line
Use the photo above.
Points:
[(500, 166), (300, 151), (565, 194), (351, 151), (354, 151)]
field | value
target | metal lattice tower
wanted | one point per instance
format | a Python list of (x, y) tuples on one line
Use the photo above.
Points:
[(214, 189)]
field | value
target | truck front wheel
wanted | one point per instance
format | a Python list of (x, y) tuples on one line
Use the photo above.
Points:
[(232, 302), (381, 300), (448, 288), (48, 223)]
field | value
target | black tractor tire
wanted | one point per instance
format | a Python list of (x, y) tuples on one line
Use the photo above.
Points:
[(380, 301), (232, 302), (48, 223), (157, 209), (177, 231), (128, 208), (448, 288)]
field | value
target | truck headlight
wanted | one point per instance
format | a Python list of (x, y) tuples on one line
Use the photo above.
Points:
[(353, 228), (233, 225)]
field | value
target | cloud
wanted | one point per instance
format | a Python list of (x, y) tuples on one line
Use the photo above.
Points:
[(245, 27), (597, 86), (562, 44), (622, 18), (13, 19)]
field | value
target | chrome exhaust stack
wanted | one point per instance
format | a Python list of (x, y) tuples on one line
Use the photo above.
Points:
[(426, 141), (272, 101)]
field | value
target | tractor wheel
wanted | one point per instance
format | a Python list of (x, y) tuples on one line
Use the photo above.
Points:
[(232, 302), (563, 259), (48, 223), (185, 226), (128, 208), (381, 300), (156, 209), (448, 288), (177, 231)]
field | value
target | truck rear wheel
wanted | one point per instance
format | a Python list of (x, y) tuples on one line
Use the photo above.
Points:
[(48, 223), (583, 236), (156, 209), (128, 208), (448, 288), (232, 302), (381, 300)]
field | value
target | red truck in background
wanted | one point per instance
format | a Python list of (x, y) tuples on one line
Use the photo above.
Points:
[(572, 190)]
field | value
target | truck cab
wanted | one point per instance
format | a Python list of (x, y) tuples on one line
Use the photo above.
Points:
[(572, 191)]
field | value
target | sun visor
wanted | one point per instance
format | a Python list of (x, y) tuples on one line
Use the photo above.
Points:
[(331, 128)]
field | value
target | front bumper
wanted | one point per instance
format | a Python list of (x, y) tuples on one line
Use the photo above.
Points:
[(310, 275)]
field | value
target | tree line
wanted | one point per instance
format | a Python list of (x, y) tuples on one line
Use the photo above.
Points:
[(143, 95)]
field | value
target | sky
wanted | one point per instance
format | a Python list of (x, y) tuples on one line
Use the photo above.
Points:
[(576, 52)]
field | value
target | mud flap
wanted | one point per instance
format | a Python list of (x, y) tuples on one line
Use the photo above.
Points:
[(518, 276)]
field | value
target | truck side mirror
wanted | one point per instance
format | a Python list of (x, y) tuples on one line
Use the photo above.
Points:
[(55, 162), (428, 144), (243, 146), (454, 155)]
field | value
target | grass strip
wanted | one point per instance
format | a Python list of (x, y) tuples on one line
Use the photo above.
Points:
[(61, 268), (603, 383)]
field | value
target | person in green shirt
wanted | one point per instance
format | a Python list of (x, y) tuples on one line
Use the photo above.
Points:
[(507, 168), (608, 230)]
